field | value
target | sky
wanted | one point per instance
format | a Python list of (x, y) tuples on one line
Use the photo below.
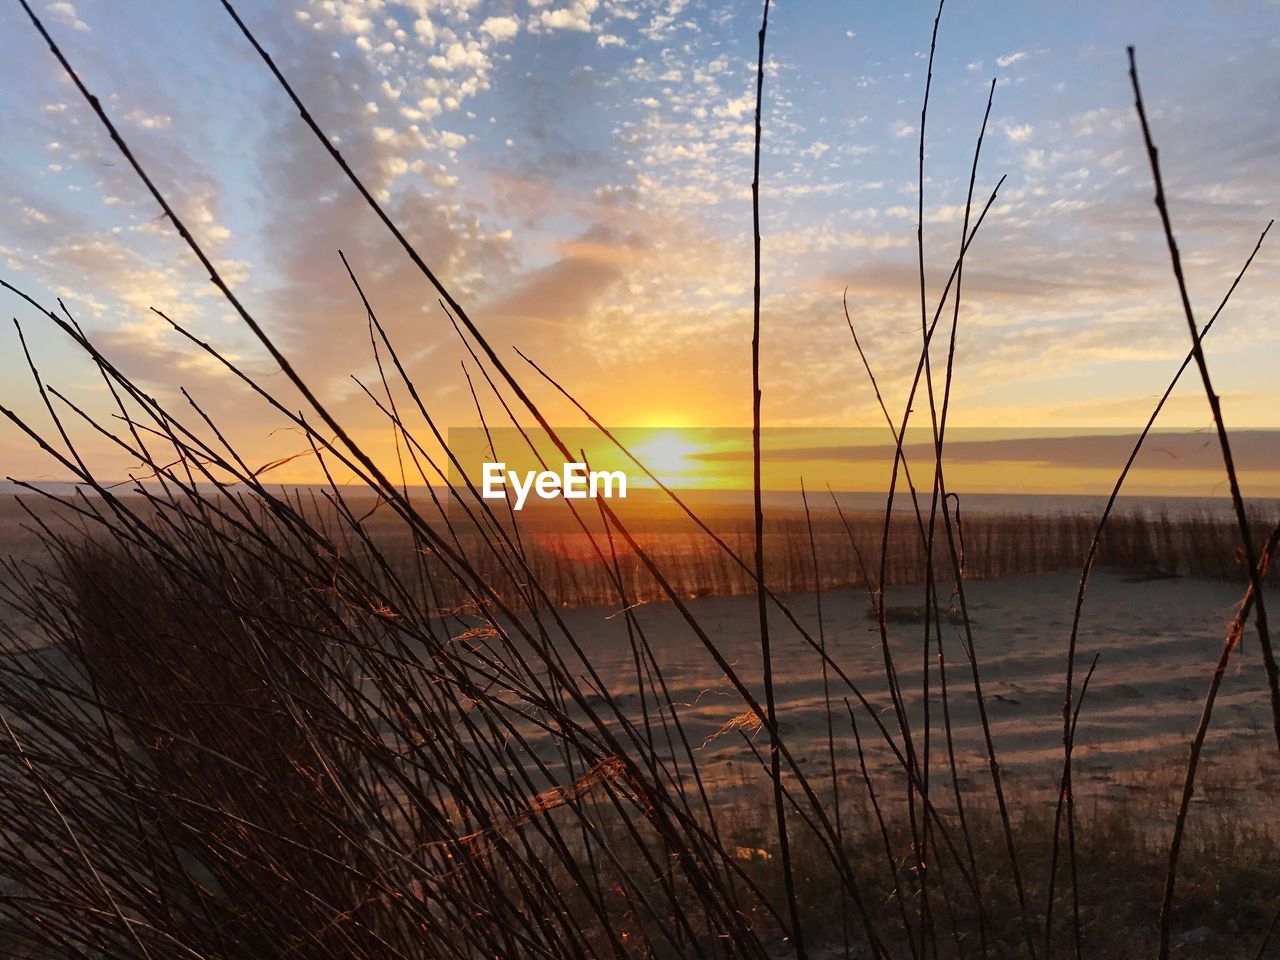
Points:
[(1003, 460), (578, 174)]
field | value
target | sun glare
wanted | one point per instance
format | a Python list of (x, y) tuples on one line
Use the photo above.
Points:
[(668, 454)]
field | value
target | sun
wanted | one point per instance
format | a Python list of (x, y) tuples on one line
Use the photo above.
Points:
[(669, 454)]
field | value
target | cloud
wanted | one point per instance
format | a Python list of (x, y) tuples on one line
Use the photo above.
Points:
[(425, 29), (1018, 133), (1009, 59), (1259, 450), (66, 13), (460, 56), (500, 28), (149, 121), (576, 16), (562, 294), (737, 107)]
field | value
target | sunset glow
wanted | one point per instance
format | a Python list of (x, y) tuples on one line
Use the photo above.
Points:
[(668, 456), (578, 175)]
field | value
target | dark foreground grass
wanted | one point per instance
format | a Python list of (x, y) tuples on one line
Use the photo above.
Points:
[(263, 754), (1227, 886), (206, 739)]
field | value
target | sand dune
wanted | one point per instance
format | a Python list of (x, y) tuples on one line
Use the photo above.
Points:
[(1157, 643)]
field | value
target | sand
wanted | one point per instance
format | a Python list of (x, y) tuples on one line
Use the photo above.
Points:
[(1157, 642)]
